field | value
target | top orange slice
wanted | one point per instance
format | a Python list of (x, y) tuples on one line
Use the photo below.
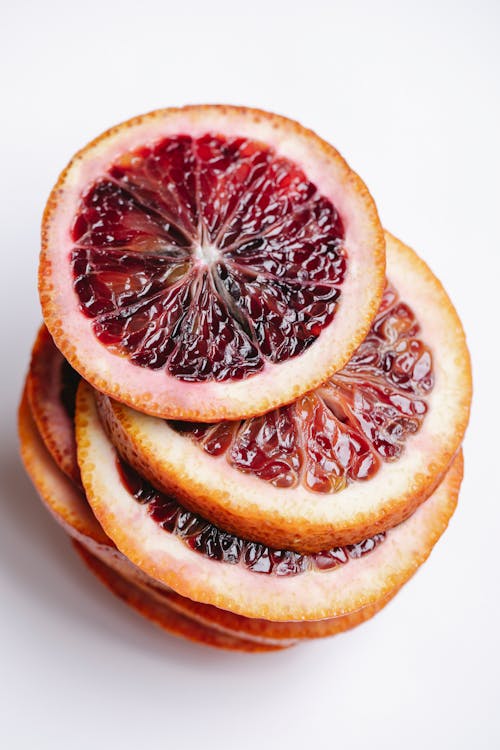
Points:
[(209, 262)]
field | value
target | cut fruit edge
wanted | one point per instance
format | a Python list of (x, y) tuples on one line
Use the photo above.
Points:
[(160, 394), (297, 518), (67, 504), (164, 616), (44, 385), (312, 595), (268, 631), (62, 497)]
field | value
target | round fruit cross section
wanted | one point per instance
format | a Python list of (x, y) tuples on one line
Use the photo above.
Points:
[(352, 458), (213, 567), (209, 262), (68, 505)]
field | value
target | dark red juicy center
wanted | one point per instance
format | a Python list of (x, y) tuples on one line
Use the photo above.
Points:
[(207, 257), (341, 432), (202, 536), (69, 385)]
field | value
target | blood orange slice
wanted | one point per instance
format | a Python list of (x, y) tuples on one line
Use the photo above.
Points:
[(167, 618), (51, 387), (209, 262), (204, 563), (69, 507), (351, 459)]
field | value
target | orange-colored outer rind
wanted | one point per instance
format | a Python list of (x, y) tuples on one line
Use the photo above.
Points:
[(69, 508), (247, 626)]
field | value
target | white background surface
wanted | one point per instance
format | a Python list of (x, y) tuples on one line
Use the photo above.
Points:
[(409, 93)]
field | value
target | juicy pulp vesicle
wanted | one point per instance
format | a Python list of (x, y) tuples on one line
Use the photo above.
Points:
[(216, 544)]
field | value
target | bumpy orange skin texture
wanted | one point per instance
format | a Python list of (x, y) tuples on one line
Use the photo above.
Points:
[(258, 400), (164, 616), (299, 530), (205, 615)]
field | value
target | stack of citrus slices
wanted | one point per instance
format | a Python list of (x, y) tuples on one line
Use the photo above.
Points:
[(247, 401)]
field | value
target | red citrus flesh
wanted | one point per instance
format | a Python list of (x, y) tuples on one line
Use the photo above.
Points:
[(203, 279), (358, 418), (69, 507), (342, 463), (209, 262), (312, 595), (209, 540)]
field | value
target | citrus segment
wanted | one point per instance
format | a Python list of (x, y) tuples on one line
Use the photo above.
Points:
[(198, 255), (340, 433)]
